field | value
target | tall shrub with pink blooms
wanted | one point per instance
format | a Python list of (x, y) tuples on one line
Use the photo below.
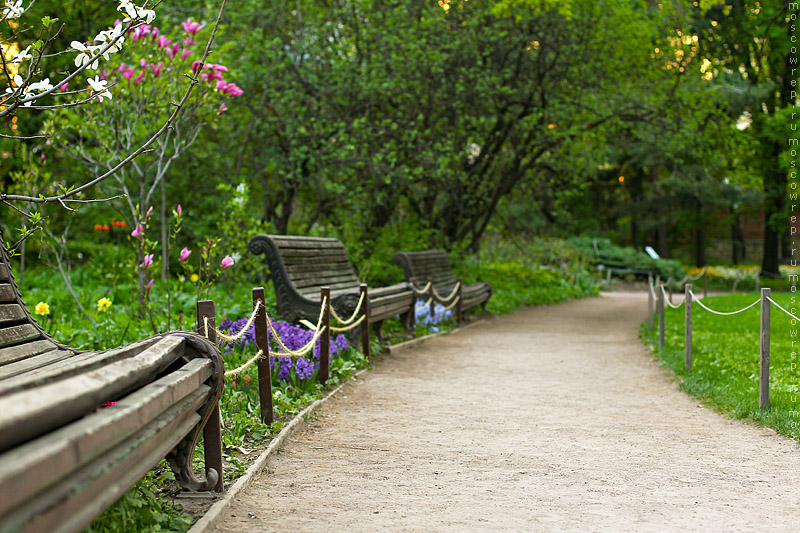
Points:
[(150, 77)]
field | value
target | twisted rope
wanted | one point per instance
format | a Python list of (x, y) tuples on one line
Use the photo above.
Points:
[(241, 333), (355, 313), (781, 308), (421, 291), (351, 326), (455, 290), (424, 304), (249, 362), (305, 349), (701, 304), (452, 305), (666, 299)]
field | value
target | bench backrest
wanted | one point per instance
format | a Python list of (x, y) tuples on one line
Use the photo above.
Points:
[(20, 336), (426, 265), (307, 263)]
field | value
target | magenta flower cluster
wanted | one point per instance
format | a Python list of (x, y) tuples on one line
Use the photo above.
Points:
[(137, 73)]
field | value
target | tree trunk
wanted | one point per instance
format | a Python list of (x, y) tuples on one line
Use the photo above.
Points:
[(738, 249), (663, 243)]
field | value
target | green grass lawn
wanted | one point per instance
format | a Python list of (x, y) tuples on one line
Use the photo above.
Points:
[(725, 358)]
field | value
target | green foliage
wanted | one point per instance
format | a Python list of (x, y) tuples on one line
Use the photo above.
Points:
[(611, 255), (725, 361)]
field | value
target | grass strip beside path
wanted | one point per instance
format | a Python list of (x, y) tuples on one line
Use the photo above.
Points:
[(725, 358)]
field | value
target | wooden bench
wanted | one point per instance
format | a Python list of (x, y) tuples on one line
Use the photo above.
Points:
[(79, 428), (301, 266), (434, 266)]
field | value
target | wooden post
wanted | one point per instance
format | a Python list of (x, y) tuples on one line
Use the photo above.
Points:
[(660, 310), (460, 301), (763, 362), (433, 300), (608, 279), (365, 323), (687, 289), (325, 338), (670, 290), (212, 432), (650, 301), (264, 373)]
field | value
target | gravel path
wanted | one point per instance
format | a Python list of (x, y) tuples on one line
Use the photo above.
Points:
[(550, 419)]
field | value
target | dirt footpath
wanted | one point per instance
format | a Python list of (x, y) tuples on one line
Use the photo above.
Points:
[(551, 419)]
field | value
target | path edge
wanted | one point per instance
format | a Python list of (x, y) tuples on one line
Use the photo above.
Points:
[(214, 515)]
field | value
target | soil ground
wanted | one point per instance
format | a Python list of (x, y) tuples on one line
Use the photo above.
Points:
[(550, 419)]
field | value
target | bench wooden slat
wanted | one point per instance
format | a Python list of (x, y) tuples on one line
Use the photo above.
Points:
[(102, 482), (5, 272), (34, 362), (23, 351), (11, 313), (290, 254), (7, 293), (28, 413), (67, 367), (36, 464), (18, 334), (343, 267)]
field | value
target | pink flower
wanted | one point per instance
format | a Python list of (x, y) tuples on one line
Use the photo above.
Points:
[(155, 32), (178, 210), (63, 87), (148, 260), (222, 108), (117, 23), (143, 63), (138, 231), (192, 28), (185, 253), (128, 73), (185, 53), (195, 66), (229, 88), (138, 79), (189, 41), (42, 157), (121, 68), (227, 261), (172, 52), (157, 68), (163, 42), (149, 211), (150, 285)]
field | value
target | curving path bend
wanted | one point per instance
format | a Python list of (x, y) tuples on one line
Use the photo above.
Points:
[(550, 419)]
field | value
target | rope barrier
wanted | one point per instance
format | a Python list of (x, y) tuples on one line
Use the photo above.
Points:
[(355, 313), (425, 304), (666, 300), (305, 349), (781, 308), (455, 290), (452, 305), (423, 290), (239, 370), (351, 326), (701, 304), (241, 333)]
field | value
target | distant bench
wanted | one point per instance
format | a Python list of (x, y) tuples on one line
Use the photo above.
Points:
[(301, 266), (434, 266), (79, 428)]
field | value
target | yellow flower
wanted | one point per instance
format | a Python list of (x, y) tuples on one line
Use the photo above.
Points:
[(195, 278), (42, 309), (103, 304)]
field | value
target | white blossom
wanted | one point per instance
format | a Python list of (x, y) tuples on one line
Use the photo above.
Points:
[(13, 10), (23, 55), (86, 54), (99, 87)]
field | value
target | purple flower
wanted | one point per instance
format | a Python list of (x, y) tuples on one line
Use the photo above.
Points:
[(138, 231), (163, 42), (227, 261), (305, 369), (192, 28), (185, 253), (185, 53), (148, 260), (150, 285)]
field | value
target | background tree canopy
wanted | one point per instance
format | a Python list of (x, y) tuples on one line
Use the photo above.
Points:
[(407, 124)]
